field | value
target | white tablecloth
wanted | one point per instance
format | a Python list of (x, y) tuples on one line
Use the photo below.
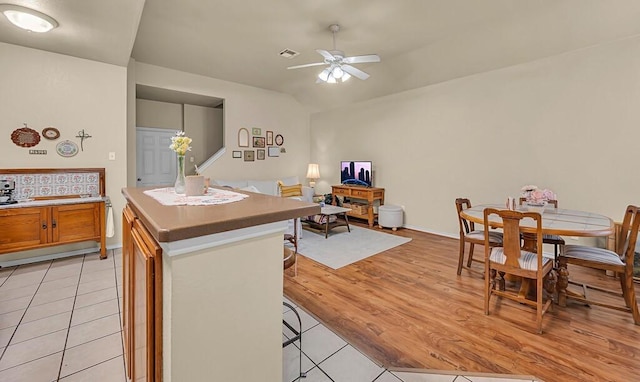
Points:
[(168, 197)]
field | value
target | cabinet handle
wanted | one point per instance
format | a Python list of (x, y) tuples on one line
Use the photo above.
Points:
[(53, 223), (44, 225)]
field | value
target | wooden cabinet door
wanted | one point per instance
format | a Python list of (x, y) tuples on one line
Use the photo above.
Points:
[(24, 227), (146, 305), (75, 222), (128, 218)]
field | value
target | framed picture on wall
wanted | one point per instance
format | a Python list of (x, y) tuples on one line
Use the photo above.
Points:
[(249, 156), (256, 131), (260, 154), (258, 142), (274, 151), (236, 154), (269, 138)]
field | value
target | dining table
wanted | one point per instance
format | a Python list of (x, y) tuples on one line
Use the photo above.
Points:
[(555, 221)]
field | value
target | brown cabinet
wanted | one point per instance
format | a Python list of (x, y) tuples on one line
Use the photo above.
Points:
[(37, 227), (142, 301), (369, 194)]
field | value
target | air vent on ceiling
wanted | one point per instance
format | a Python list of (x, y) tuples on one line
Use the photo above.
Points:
[(288, 53)]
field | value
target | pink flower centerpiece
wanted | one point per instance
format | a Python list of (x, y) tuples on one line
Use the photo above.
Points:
[(537, 198)]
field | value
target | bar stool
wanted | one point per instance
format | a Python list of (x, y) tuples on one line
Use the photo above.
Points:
[(290, 260)]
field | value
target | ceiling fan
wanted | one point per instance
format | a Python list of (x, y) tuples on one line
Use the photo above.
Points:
[(339, 67)]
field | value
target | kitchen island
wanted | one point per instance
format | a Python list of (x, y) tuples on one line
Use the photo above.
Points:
[(202, 287)]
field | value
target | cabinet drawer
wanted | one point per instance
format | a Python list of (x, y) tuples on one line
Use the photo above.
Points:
[(341, 191), (358, 193)]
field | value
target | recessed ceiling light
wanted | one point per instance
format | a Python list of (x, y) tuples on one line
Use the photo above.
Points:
[(28, 19)]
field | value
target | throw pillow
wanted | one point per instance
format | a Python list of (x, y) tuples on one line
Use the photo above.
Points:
[(287, 191)]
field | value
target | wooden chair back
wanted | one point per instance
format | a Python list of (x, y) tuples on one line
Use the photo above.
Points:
[(511, 242), (628, 236), (465, 226)]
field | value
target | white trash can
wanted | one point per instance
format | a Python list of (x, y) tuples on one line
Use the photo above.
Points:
[(390, 216)]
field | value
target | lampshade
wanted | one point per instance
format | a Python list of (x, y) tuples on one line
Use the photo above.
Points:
[(313, 171), (28, 19)]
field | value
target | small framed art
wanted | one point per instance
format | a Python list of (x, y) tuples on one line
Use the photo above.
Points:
[(269, 138), (236, 154), (260, 154), (258, 142), (256, 131), (274, 151), (249, 156)]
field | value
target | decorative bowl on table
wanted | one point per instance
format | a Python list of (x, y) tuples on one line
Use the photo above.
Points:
[(536, 207)]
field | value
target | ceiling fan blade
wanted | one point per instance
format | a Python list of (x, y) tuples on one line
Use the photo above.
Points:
[(361, 59), (326, 54), (306, 65), (355, 72)]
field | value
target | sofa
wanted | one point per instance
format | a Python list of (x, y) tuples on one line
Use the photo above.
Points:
[(270, 187)]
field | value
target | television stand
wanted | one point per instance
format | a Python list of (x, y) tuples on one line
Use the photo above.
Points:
[(370, 194)]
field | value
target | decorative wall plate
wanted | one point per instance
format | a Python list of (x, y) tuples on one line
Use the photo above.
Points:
[(25, 137), (67, 149), (279, 140), (51, 133)]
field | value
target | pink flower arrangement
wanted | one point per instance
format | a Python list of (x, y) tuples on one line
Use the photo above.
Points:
[(533, 194)]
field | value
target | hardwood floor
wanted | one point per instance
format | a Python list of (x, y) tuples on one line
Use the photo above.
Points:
[(407, 308)]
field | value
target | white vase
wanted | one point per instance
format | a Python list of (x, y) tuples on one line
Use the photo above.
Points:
[(179, 186)]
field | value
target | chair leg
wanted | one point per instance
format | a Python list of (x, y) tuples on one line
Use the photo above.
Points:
[(487, 291), (470, 259), (630, 296), (297, 336), (461, 256), (539, 303)]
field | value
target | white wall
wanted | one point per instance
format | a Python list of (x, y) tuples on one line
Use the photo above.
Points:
[(161, 115), (46, 89), (244, 106), (568, 122)]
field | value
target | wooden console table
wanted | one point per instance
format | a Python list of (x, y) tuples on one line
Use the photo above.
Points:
[(370, 194)]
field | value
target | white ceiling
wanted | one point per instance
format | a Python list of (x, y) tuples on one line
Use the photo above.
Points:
[(420, 42)]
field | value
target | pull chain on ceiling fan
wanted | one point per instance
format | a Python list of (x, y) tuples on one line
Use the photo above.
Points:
[(339, 68)]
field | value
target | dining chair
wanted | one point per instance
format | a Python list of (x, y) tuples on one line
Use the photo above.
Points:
[(620, 262), (556, 240), (511, 259), (468, 234)]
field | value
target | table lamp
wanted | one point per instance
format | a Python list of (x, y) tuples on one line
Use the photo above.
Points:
[(313, 173)]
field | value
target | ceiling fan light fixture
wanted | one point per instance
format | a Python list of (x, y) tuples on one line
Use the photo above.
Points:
[(331, 79), (337, 72), (324, 75), (345, 76), (28, 19)]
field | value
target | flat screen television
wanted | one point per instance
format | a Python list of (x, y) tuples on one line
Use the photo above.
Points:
[(356, 173)]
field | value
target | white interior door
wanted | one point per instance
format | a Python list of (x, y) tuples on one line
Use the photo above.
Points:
[(156, 163)]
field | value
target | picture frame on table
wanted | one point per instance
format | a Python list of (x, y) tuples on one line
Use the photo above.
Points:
[(236, 154), (260, 154), (269, 138), (249, 156), (258, 142)]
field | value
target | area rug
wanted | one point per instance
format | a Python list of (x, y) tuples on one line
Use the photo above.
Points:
[(343, 248)]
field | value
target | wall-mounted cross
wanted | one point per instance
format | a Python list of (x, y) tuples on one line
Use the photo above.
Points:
[(82, 135)]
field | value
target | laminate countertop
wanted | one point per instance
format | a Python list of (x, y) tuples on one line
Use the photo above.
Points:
[(54, 202), (173, 223)]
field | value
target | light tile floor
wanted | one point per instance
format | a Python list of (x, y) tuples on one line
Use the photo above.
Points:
[(60, 321)]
